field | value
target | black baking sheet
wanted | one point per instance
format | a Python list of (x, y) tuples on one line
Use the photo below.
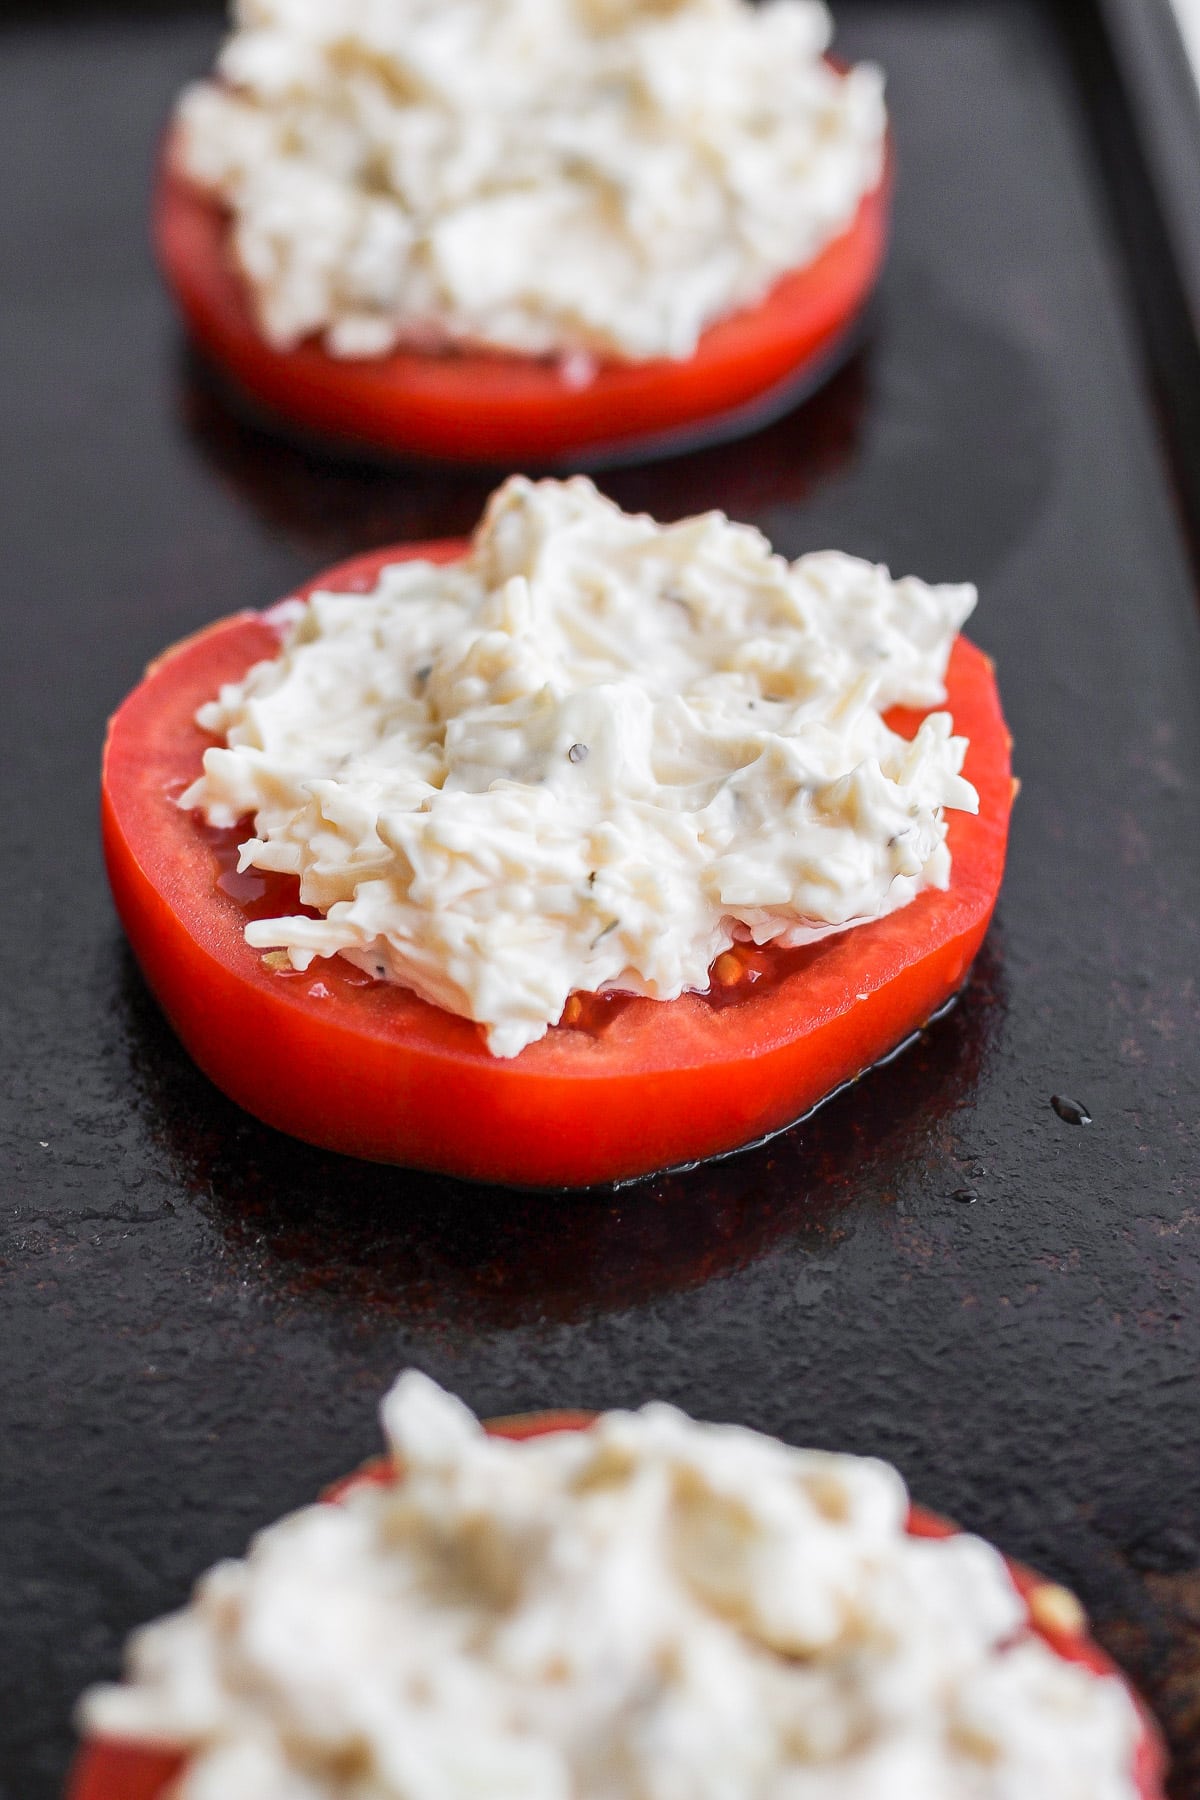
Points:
[(197, 1317)]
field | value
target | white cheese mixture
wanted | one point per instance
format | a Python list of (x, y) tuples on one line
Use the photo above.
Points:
[(649, 1610), (597, 177), (594, 753)]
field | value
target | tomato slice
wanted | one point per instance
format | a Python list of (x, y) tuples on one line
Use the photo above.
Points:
[(109, 1770), (477, 407), (630, 1087)]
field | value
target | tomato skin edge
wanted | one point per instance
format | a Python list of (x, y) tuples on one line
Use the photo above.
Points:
[(492, 408), (107, 1769), (381, 1075)]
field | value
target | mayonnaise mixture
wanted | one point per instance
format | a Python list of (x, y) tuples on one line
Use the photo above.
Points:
[(594, 753), (596, 177), (649, 1610)]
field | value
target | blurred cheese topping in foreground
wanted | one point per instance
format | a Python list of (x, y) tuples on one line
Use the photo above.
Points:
[(603, 177), (593, 754), (649, 1610)]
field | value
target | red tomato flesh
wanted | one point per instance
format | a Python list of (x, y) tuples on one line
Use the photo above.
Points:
[(108, 1770), (631, 1086), (476, 407)]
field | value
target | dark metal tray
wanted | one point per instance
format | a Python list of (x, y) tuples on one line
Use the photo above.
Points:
[(198, 1316)]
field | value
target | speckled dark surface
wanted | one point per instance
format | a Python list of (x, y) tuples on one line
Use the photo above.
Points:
[(197, 1317)]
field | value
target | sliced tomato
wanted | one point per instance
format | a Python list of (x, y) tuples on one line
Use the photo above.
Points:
[(630, 1087), (108, 1770), (479, 408)]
